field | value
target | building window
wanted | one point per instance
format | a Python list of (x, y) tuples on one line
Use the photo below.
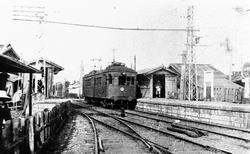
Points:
[(110, 79)]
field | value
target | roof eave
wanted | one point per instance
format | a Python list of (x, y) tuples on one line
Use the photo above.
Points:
[(11, 65)]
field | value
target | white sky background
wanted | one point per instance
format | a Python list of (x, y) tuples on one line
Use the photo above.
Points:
[(69, 45)]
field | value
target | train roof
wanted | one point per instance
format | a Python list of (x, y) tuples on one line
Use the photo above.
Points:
[(114, 67)]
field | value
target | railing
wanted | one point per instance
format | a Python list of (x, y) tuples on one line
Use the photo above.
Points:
[(28, 135)]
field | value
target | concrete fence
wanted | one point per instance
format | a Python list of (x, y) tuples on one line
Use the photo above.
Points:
[(29, 134)]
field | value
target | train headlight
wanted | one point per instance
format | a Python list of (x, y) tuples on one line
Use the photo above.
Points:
[(122, 89)]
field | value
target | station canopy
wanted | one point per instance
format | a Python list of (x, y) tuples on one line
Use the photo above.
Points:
[(11, 65)]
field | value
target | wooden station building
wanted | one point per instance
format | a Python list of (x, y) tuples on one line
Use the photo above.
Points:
[(165, 78), (44, 83)]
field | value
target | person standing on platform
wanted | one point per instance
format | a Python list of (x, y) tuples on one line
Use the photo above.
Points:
[(158, 89)]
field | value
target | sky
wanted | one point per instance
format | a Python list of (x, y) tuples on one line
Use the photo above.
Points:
[(72, 46)]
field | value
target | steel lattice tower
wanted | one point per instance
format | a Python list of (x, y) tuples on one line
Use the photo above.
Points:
[(190, 89)]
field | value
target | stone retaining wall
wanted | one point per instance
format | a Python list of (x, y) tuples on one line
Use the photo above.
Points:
[(231, 116)]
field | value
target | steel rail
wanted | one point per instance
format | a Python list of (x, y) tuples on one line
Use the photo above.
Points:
[(211, 131), (134, 136), (97, 151), (178, 137), (210, 148), (155, 147), (195, 121), (125, 124)]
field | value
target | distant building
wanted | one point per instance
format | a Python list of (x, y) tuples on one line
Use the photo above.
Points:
[(74, 89), (44, 83)]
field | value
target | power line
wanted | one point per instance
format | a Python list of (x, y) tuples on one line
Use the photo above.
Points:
[(29, 7), (104, 27), (29, 11), (35, 16)]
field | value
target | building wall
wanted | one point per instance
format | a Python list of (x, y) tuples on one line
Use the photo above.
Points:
[(145, 82), (170, 86)]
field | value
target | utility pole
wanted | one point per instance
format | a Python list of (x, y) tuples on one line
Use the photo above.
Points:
[(81, 81), (135, 62), (229, 50), (96, 59), (190, 89), (113, 54)]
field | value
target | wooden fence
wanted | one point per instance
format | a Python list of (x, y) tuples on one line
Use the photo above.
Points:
[(28, 135), (234, 95)]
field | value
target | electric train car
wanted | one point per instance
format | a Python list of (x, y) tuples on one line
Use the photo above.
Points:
[(114, 86)]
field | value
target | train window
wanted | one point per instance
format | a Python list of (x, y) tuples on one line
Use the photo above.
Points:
[(98, 81), (104, 79), (122, 79), (110, 79), (88, 82), (132, 80), (128, 80)]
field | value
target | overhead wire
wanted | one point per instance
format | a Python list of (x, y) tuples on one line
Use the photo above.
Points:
[(103, 27)]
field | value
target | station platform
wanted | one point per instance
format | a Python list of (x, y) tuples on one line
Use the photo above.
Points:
[(236, 115), (199, 104), (46, 104)]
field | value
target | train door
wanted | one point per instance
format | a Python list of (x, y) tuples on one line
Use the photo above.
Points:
[(159, 86)]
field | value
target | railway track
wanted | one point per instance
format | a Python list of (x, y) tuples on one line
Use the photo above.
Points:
[(97, 144), (116, 124), (169, 141), (229, 132)]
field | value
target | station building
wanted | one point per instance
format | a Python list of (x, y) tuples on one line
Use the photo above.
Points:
[(169, 78), (149, 79)]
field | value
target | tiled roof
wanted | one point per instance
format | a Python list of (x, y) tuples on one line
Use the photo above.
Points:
[(200, 69)]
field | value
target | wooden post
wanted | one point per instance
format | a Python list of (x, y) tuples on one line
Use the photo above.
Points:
[(31, 135), (45, 78), (41, 117), (151, 86), (30, 97)]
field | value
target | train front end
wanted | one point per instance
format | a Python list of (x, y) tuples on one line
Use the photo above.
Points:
[(122, 90)]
